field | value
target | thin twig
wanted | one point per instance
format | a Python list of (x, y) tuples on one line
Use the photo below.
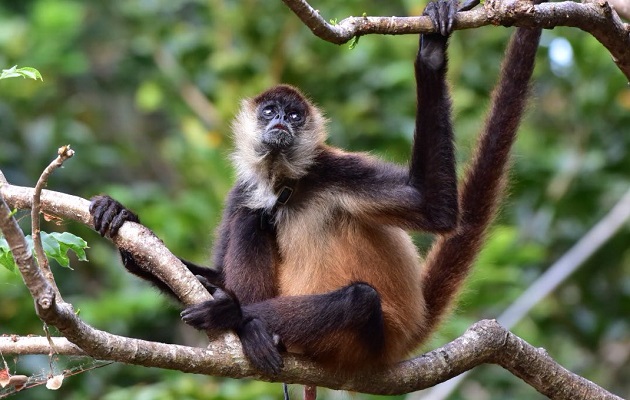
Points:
[(63, 153), (31, 345)]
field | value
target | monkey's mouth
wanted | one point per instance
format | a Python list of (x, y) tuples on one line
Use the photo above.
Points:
[(278, 137), (281, 127)]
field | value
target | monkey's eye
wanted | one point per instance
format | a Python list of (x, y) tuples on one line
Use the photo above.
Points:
[(295, 116), (268, 112)]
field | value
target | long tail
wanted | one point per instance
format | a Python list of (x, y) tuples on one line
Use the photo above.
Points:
[(451, 257)]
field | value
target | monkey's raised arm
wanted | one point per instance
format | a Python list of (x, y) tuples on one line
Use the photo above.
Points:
[(432, 169), (424, 197)]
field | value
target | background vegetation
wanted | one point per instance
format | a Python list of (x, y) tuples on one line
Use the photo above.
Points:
[(122, 81)]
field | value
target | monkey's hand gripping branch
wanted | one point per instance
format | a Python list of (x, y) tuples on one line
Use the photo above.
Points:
[(134, 238)]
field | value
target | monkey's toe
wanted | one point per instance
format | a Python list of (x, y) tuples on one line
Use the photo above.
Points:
[(260, 347)]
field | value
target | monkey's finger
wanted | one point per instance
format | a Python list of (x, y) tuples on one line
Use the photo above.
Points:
[(197, 316), (221, 313), (119, 219), (206, 283), (452, 12), (98, 206), (445, 17), (108, 215), (431, 11), (108, 211)]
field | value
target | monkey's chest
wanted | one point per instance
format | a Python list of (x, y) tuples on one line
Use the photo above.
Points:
[(324, 251), (308, 243)]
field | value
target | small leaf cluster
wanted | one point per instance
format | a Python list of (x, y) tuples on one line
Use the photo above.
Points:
[(56, 246), (24, 72)]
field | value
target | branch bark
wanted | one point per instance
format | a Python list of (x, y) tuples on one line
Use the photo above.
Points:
[(35, 345), (134, 238), (593, 16), (64, 153), (484, 342)]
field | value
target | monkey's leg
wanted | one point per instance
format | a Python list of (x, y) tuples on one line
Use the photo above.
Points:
[(312, 322), (345, 325)]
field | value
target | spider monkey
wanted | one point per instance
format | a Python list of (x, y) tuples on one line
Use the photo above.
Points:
[(312, 255)]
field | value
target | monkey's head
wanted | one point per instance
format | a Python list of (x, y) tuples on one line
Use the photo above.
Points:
[(281, 113), (279, 126)]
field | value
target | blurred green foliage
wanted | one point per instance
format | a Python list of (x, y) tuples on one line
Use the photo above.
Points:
[(144, 90)]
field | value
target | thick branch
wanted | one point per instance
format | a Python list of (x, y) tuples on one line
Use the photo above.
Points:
[(595, 17), (134, 238), (484, 342), (34, 345), (40, 289)]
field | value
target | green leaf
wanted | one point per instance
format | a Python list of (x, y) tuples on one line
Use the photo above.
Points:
[(354, 42), (56, 246), (6, 258), (68, 241), (25, 72), (52, 248)]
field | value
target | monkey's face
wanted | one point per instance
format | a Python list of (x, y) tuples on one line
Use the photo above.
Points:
[(280, 124), (279, 128), (281, 114)]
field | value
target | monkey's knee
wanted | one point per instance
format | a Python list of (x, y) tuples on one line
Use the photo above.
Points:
[(361, 293), (364, 303)]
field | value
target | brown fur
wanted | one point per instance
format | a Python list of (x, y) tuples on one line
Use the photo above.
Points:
[(324, 247), (451, 257)]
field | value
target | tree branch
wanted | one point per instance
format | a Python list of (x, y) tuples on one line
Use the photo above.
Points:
[(593, 16), (63, 154), (41, 290), (133, 237), (553, 276), (34, 345), (484, 342)]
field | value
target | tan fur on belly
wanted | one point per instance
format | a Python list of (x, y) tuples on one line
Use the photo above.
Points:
[(322, 252)]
